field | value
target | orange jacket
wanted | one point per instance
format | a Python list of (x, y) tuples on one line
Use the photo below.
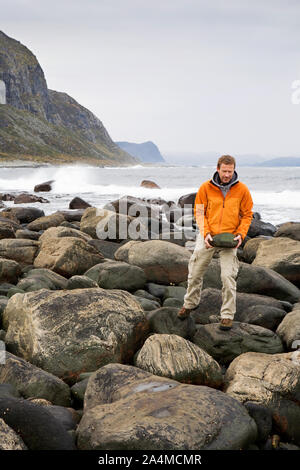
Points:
[(216, 214)]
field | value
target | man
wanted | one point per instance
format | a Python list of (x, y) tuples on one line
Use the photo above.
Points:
[(222, 204)]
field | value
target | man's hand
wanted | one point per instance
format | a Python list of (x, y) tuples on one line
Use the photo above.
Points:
[(239, 238), (207, 239)]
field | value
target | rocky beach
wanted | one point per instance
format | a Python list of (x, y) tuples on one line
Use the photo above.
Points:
[(93, 355)]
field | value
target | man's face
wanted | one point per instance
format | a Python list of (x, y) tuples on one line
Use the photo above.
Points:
[(225, 172)]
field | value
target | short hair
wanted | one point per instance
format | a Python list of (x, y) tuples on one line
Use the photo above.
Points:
[(227, 160)]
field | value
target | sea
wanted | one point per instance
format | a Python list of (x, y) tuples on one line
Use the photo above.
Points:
[(275, 190)]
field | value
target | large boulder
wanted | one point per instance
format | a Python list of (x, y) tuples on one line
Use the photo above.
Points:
[(117, 275), (67, 256), (177, 358), (6, 231), (28, 234), (250, 308), (159, 414), (21, 250), (25, 215), (289, 329), (162, 261), (290, 230), (42, 223), (282, 255), (9, 439), (106, 247), (45, 187), (187, 199), (70, 332), (10, 270), (31, 381), (272, 380), (42, 278), (164, 320), (60, 232), (134, 207), (258, 227), (254, 280), (81, 282), (224, 346), (78, 203), (36, 426), (25, 198), (251, 246), (104, 224)]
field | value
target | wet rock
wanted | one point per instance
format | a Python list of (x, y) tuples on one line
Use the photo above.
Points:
[(251, 246), (147, 304), (163, 262), (31, 381), (28, 234), (282, 255), (105, 224), (177, 358), (81, 282), (187, 199), (290, 230), (250, 308), (24, 198), (289, 329), (255, 280), (258, 227), (273, 381), (20, 250), (149, 184), (42, 278), (45, 187), (224, 346), (164, 321), (10, 270), (60, 232), (67, 256), (36, 426), (70, 332), (25, 215), (42, 223), (117, 275), (6, 231), (159, 414), (78, 203)]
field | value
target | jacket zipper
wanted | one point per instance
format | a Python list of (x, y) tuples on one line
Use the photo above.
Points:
[(222, 211)]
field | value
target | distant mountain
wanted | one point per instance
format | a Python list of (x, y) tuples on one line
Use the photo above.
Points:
[(282, 161), (147, 151), (38, 124), (210, 158)]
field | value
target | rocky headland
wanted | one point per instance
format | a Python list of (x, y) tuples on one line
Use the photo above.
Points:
[(96, 357), (39, 125)]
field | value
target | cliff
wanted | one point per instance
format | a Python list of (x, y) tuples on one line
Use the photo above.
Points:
[(147, 151), (45, 125)]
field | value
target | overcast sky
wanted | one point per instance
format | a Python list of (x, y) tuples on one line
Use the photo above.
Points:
[(190, 75)]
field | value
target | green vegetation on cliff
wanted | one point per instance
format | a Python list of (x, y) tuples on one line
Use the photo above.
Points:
[(39, 124)]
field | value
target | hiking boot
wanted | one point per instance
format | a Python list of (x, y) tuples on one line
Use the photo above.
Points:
[(225, 324), (184, 313)]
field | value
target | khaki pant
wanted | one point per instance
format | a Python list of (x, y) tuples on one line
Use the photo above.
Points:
[(198, 264)]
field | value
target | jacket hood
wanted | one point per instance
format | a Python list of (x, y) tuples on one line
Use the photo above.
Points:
[(217, 182)]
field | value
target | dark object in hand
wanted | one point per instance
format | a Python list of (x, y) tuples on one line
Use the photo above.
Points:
[(224, 240)]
